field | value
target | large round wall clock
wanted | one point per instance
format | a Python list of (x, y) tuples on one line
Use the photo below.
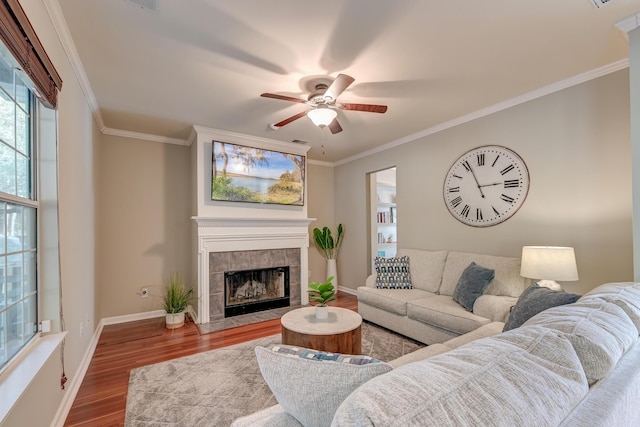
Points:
[(486, 186)]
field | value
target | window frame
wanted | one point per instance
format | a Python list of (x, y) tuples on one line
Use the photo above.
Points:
[(32, 202)]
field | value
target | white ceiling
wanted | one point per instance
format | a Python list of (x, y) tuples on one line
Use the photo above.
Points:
[(206, 62)]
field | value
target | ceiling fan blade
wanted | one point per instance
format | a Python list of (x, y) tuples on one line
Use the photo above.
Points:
[(370, 108), (289, 119), (338, 86), (283, 97), (335, 127)]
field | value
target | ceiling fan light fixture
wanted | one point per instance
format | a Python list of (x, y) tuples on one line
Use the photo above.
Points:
[(322, 116)]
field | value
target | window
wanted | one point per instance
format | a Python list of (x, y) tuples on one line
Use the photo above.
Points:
[(18, 215)]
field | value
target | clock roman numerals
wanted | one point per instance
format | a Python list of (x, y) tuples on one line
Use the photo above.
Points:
[(512, 183), (453, 190), (465, 211), (466, 165), (507, 198), (507, 169), (480, 158), (455, 202)]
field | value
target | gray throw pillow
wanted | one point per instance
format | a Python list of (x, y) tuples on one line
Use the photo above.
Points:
[(310, 385), (473, 282), (536, 299)]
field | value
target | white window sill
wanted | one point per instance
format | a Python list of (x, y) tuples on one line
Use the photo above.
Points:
[(15, 380)]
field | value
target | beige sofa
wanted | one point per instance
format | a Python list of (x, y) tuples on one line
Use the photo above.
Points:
[(573, 365), (427, 312)]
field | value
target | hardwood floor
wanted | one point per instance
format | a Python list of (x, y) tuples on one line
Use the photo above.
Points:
[(101, 400)]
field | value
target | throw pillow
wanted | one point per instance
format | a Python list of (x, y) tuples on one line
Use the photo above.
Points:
[(393, 273), (534, 300), (310, 385), (473, 282)]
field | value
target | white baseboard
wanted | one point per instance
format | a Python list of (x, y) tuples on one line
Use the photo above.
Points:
[(132, 317), (347, 290), (73, 386)]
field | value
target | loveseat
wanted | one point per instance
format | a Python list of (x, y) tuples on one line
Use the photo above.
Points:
[(427, 312), (572, 365)]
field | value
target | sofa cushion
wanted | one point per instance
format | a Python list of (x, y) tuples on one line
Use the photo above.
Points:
[(442, 311), (600, 333), (534, 300), (494, 307), (473, 282), (297, 376), (426, 268), (625, 295), (496, 381), (484, 331), (273, 416), (393, 300), (507, 280), (420, 354), (393, 273)]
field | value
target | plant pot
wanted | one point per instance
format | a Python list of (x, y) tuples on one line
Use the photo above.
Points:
[(322, 312), (332, 270), (175, 320)]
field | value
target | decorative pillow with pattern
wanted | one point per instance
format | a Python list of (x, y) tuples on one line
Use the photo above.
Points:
[(310, 385), (393, 273)]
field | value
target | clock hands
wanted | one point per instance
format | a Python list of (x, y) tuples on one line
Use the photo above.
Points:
[(489, 185), (474, 177)]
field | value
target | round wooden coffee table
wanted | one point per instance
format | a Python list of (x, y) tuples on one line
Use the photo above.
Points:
[(338, 333)]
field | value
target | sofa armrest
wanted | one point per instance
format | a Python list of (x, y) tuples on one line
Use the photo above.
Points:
[(274, 416), (493, 307), (371, 281)]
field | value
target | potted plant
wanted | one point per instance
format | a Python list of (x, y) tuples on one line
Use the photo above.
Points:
[(329, 248), (176, 301), (322, 293)]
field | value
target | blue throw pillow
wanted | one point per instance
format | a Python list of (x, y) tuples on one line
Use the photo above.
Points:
[(536, 299), (473, 282)]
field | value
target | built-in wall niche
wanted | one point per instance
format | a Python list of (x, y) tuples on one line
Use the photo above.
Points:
[(383, 213)]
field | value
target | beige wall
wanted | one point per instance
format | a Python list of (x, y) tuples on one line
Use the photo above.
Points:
[(143, 222), (576, 145), (78, 135), (320, 193)]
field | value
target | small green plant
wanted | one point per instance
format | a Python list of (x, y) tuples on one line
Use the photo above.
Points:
[(322, 293), (324, 241), (176, 298)]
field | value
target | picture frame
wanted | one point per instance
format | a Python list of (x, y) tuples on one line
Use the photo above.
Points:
[(241, 173)]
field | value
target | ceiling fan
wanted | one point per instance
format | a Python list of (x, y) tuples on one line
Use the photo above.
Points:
[(323, 101)]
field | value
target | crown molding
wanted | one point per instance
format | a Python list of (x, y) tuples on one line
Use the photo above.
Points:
[(145, 136), (69, 47), (509, 103), (629, 23)]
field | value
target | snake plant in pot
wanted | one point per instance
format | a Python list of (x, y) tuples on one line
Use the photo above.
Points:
[(322, 293), (329, 248), (176, 301)]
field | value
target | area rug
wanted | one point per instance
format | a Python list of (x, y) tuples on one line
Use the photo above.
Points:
[(218, 386)]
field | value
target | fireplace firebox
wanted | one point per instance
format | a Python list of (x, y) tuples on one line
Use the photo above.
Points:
[(250, 291)]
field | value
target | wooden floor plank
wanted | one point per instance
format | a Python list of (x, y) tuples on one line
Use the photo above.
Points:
[(101, 399)]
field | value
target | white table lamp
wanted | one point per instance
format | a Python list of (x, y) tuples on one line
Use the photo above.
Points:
[(549, 263)]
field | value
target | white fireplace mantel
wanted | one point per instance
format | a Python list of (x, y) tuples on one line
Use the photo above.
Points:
[(225, 234), (206, 221)]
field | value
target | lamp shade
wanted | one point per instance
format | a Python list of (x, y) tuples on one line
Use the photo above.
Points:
[(549, 263), (322, 116)]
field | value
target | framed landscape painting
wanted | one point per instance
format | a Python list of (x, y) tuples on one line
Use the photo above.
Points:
[(255, 175)]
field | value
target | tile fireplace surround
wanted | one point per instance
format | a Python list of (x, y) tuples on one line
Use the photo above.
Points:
[(269, 240)]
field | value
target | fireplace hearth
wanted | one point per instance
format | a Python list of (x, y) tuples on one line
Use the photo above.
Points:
[(249, 291)]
